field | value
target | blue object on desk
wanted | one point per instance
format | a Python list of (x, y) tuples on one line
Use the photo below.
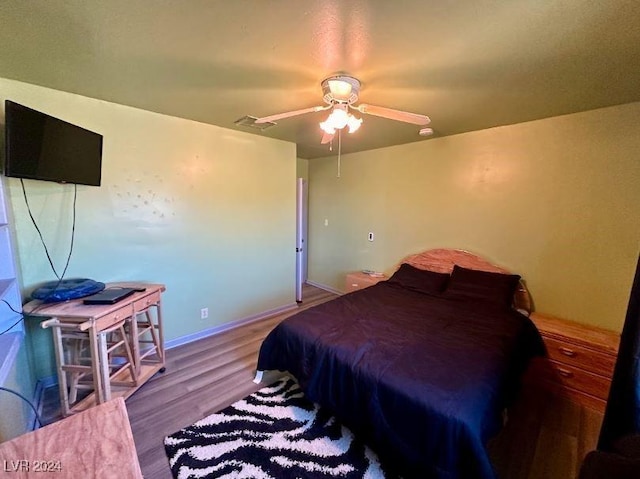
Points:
[(56, 291)]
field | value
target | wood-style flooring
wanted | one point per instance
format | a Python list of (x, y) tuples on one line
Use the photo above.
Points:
[(545, 437)]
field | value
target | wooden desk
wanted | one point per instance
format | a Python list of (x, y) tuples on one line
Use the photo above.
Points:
[(94, 321), (95, 443)]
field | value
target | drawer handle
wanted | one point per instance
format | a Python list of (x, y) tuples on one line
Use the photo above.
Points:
[(354, 284), (565, 372), (567, 352)]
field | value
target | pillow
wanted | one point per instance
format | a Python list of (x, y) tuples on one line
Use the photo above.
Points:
[(472, 284), (419, 280)]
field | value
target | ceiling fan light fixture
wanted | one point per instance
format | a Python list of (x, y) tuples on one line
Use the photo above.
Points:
[(327, 128), (354, 123), (340, 88), (340, 118)]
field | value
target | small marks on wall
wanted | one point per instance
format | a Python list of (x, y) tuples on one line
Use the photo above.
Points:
[(141, 198)]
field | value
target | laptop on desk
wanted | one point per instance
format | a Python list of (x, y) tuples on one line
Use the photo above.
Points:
[(109, 296)]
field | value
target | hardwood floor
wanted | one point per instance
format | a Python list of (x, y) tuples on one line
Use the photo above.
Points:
[(545, 437)]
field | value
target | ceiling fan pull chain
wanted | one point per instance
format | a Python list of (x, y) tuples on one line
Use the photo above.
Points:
[(339, 150)]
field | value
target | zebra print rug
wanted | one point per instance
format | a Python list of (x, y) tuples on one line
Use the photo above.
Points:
[(275, 433)]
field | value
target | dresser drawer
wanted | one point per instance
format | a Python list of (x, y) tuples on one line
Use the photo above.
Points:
[(109, 320), (581, 357), (578, 379)]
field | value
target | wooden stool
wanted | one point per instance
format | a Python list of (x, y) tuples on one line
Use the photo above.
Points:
[(148, 346), (119, 355), (78, 366)]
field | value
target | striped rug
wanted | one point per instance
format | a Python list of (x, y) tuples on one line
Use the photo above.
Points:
[(275, 433)]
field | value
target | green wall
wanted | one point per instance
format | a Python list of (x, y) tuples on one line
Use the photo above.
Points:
[(210, 212), (556, 200), (15, 414)]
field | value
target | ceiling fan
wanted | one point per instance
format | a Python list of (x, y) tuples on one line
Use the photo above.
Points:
[(341, 92)]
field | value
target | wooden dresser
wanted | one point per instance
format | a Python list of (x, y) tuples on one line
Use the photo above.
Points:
[(359, 280), (580, 360)]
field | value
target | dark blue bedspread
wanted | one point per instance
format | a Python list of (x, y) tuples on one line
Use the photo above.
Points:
[(422, 378)]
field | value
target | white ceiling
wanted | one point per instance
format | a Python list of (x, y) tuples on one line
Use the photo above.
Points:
[(468, 64)]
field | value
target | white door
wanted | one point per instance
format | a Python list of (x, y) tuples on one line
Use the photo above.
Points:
[(301, 236)]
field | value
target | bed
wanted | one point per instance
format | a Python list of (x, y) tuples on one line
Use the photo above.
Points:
[(421, 366)]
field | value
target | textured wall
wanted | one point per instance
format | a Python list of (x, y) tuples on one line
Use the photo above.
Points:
[(556, 200)]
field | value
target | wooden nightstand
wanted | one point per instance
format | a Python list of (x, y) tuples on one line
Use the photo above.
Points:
[(359, 280), (580, 360)]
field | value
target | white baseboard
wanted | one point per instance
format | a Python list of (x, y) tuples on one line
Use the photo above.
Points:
[(325, 287), (227, 326)]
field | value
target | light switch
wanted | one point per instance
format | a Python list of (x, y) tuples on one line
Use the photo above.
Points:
[(326, 222)]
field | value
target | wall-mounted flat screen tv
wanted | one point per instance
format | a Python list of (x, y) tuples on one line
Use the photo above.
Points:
[(41, 147)]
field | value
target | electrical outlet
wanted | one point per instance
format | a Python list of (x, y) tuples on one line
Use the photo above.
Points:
[(371, 236), (204, 313)]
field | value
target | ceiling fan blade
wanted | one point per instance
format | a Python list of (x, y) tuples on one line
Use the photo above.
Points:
[(326, 138), (281, 116), (392, 114)]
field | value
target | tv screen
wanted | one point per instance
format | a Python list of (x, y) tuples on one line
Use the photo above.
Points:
[(41, 147)]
